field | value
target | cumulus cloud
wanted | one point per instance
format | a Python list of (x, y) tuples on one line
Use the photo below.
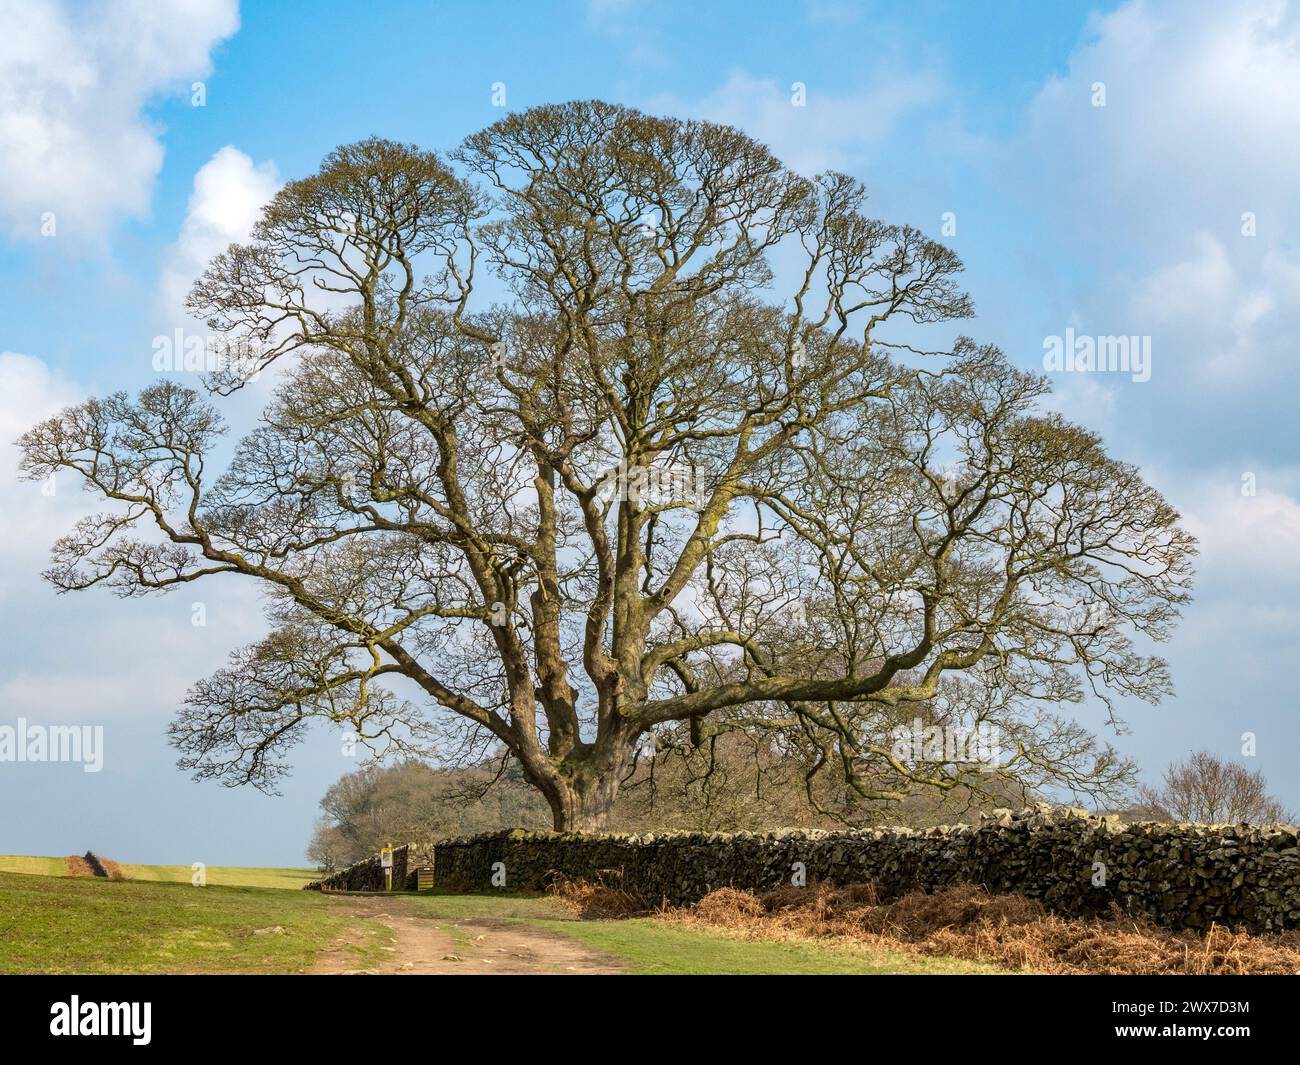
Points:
[(229, 193), (1248, 522), (1233, 317), (75, 82), (1196, 129), (1170, 212), (1175, 204), (1229, 654), (29, 391)]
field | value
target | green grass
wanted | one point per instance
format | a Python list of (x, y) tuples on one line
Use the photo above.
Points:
[(92, 925), (217, 875), (658, 947), (223, 875), (663, 948), (155, 922)]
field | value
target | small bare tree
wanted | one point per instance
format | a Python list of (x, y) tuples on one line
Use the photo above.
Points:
[(1206, 789), (648, 491)]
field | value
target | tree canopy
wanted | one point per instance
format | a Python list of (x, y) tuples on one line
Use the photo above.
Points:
[(690, 472)]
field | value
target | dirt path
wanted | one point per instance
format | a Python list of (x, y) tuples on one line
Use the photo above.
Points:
[(476, 946)]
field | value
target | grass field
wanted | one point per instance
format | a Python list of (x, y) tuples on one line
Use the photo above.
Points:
[(93, 925), (223, 875), (217, 875), (24, 863), (156, 922)]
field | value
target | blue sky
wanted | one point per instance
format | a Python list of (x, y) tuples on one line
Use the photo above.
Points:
[(1128, 218)]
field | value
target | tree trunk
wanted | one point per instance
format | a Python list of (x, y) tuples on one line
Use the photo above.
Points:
[(583, 803)]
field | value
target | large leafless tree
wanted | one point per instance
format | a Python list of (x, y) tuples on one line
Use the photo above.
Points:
[(691, 471)]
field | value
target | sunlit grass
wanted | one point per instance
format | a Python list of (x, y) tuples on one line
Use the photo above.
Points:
[(26, 863), (94, 925), (223, 875), (217, 875)]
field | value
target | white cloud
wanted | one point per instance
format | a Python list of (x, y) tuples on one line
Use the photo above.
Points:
[(1204, 282), (74, 86), (30, 517), (1197, 126), (1232, 317), (71, 665), (830, 131), (1176, 206), (229, 193), (65, 658), (1244, 617), (29, 391), (1084, 398), (1248, 541), (1135, 210)]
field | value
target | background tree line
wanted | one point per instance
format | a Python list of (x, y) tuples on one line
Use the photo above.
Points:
[(742, 785)]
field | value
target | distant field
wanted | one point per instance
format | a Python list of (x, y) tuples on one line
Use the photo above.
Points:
[(217, 875), (223, 875), (93, 925), (23, 863)]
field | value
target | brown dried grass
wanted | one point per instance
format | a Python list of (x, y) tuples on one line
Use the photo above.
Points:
[(1009, 931), (604, 898), (76, 865)]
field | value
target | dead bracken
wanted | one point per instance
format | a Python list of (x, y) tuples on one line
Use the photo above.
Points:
[(91, 864), (964, 921), (1009, 931), (605, 897)]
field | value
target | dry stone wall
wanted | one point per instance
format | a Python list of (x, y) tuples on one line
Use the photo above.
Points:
[(1182, 876), (368, 875)]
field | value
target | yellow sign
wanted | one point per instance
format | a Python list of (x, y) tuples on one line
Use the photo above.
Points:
[(386, 857)]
